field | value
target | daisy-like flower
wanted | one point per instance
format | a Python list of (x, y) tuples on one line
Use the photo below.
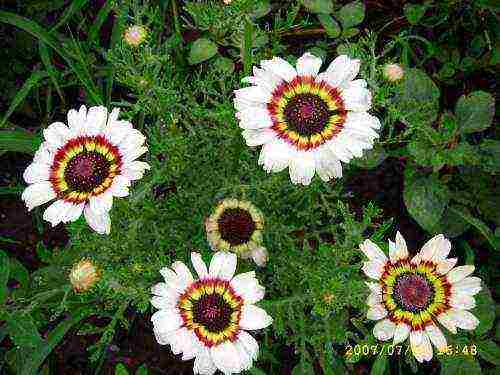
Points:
[(306, 121), (83, 166), (207, 318), (237, 226), (409, 295), (135, 35)]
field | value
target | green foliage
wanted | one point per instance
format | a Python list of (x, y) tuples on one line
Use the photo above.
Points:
[(201, 50), (475, 112)]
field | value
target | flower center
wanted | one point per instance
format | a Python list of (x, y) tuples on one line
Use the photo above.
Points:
[(307, 114), (413, 292), (86, 171), (236, 226), (213, 312)]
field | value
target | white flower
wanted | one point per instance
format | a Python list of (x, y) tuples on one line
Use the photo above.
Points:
[(409, 295), (306, 121), (83, 166), (237, 226), (207, 318)]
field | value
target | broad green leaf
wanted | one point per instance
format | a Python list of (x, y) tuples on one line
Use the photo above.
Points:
[(426, 198), (414, 12), (484, 311), (490, 150), (18, 272), (331, 26), (4, 276), (371, 158), (380, 365), (459, 365), (489, 351), (475, 112), (352, 14), (478, 224), (417, 99), (224, 65), (451, 224), (18, 141), (201, 50), (318, 6), (23, 331)]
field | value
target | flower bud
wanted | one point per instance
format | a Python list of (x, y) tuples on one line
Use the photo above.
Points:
[(259, 256), (393, 72), (84, 275), (135, 35)]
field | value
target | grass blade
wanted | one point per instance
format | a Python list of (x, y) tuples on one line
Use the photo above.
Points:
[(51, 71), (101, 17), (18, 141), (74, 7)]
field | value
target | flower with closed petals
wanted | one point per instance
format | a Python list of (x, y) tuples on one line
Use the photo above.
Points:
[(237, 226), (135, 35), (306, 121), (208, 318), (84, 275), (83, 165), (393, 72), (410, 294)]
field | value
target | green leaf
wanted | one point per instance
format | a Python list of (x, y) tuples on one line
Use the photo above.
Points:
[(143, 370), (318, 6), (18, 272), (484, 311), (459, 365), (478, 224), (260, 9), (451, 224), (120, 369), (303, 368), (201, 50), (330, 25), (4, 276), (352, 14), (28, 85), (371, 158), (417, 99), (475, 112), (379, 366), (414, 13), (426, 198), (490, 154), (489, 351), (18, 141), (23, 331), (224, 65)]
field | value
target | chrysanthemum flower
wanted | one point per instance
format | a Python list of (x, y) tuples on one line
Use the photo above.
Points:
[(84, 275), (306, 121), (237, 226), (83, 166), (135, 35), (410, 294), (393, 72), (207, 318)]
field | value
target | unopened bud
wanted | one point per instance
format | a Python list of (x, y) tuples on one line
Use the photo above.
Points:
[(393, 72), (84, 275), (135, 35), (259, 256)]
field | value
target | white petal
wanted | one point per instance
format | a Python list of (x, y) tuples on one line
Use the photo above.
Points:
[(356, 97), (76, 121), (372, 251), (258, 137), (116, 131), (166, 320), (183, 274), (223, 265), (226, 358), (363, 121), (464, 319), (420, 346), (327, 164), (340, 71), (302, 168), (100, 222), (435, 245), (135, 170), (56, 135), (260, 255), (203, 363), (401, 333), (340, 150), (447, 321), (166, 291), (55, 213), (374, 287), (280, 67), (459, 273), (242, 104), (253, 317), (470, 285), (37, 194), (133, 154), (462, 301), (275, 156), (442, 249), (74, 212), (44, 155), (189, 343), (373, 268), (36, 172), (246, 361), (199, 265), (247, 286), (444, 266), (376, 312), (254, 118), (308, 65), (101, 203), (436, 337), (120, 186), (384, 330), (96, 120), (249, 343), (254, 93), (264, 78), (399, 251), (374, 299), (161, 302)]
